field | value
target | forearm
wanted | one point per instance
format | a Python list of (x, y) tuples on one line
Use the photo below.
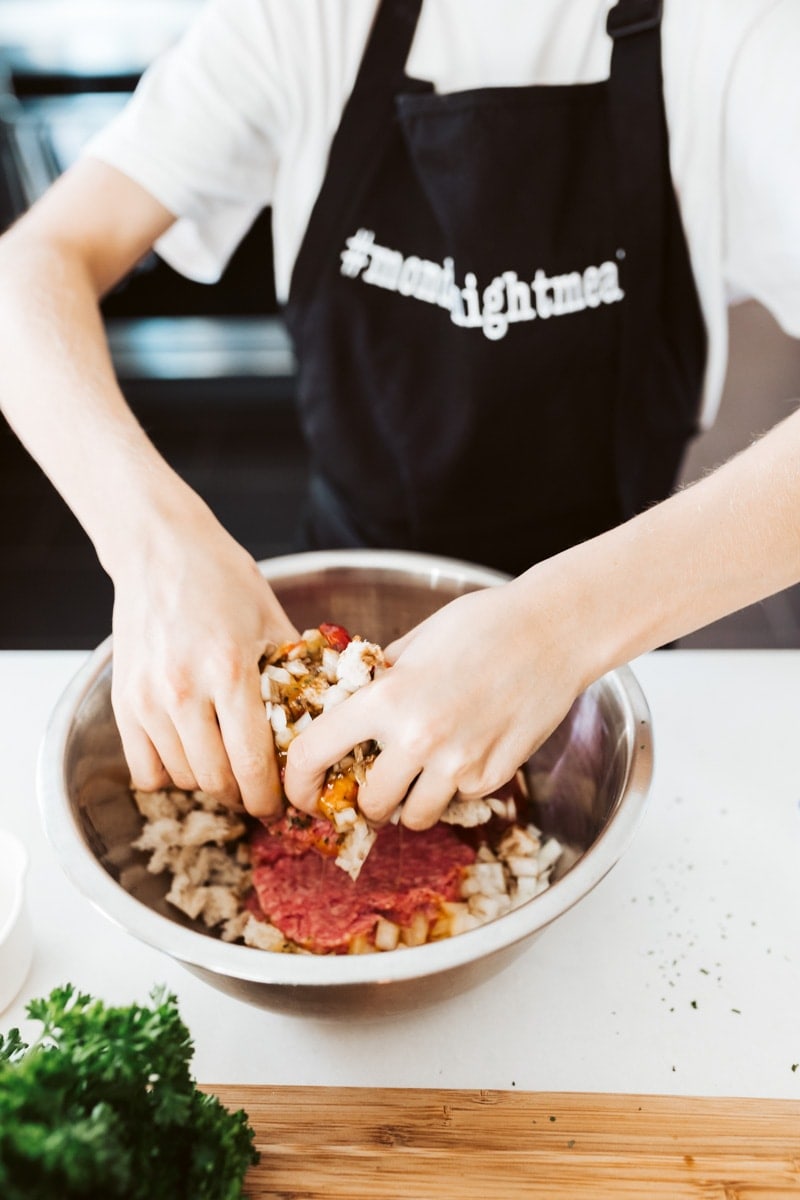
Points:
[(59, 393), (192, 614), (725, 542)]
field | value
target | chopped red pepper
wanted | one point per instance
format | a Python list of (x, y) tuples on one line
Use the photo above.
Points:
[(335, 635)]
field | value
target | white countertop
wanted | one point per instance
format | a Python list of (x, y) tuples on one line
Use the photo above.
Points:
[(680, 973)]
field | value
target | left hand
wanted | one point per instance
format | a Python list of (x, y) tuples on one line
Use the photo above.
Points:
[(471, 693)]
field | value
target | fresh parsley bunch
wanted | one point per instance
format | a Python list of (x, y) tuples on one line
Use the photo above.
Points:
[(102, 1104)]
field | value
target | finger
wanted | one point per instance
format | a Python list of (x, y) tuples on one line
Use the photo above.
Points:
[(388, 780), (328, 738), (427, 799), (168, 746), (250, 748), (392, 652), (148, 773), (205, 753)]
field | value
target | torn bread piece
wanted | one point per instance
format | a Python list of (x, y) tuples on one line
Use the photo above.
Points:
[(200, 843)]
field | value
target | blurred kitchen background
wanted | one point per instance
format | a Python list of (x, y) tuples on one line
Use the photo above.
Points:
[(209, 370)]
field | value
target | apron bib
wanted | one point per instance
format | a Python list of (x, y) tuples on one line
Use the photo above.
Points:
[(499, 341)]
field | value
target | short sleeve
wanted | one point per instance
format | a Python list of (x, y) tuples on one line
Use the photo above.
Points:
[(201, 134), (761, 157)]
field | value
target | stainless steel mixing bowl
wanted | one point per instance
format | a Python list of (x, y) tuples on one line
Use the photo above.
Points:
[(590, 780)]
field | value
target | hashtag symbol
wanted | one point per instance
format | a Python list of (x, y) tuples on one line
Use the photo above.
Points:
[(356, 256)]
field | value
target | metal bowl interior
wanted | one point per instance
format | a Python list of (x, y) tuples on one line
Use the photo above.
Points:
[(589, 780)]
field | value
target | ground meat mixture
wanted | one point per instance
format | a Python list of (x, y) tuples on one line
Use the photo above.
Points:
[(405, 879)]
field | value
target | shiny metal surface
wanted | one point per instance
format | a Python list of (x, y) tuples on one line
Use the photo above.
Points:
[(180, 347), (590, 780)]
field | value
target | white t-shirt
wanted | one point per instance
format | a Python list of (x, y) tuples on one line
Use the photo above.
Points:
[(241, 112)]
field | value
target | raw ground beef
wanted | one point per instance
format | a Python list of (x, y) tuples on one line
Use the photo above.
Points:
[(316, 905)]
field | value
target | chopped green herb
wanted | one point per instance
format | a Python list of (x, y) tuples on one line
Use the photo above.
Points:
[(795, 1066), (103, 1104), (694, 1004)]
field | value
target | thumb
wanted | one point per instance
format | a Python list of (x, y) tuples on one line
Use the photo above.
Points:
[(392, 652)]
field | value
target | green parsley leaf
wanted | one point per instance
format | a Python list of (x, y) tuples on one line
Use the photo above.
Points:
[(103, 1103)]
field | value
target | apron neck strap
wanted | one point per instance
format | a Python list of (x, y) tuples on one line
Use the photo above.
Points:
[(388, 45), (640, 146), (638, 125), (629, 17), (368, 113)]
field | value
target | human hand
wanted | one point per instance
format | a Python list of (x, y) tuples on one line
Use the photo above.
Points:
[(192, 617), (471, 693)]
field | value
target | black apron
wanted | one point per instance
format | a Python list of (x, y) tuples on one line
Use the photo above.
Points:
[(499, 340)]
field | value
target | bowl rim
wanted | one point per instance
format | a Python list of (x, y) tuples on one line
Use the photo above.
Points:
[(13, 852), (325, 971)]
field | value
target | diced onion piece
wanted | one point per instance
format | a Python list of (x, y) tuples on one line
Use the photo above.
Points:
[(483, 878), (278, 719), (344, 818), (526, 887), (330, 658), (296, 668), (314, 641), (485, 854), (467, 811), (489, 907), (519, 842), (263, 936), (360, 944), (506, 809), (355, 847), (387, 934), (522, 866), (284, 739), (455, 918), (279, 674), (549, 854), (415, 934)]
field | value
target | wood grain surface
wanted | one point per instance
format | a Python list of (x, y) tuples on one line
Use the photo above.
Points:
[(367, 1144)]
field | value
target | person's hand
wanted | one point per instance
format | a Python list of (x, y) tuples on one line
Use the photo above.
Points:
[(192, 617), (471, 693)]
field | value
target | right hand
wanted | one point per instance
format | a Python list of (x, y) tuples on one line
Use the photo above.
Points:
[(192, 617)]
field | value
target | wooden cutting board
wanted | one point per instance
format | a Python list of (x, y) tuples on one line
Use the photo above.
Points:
[(373, 1143)]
